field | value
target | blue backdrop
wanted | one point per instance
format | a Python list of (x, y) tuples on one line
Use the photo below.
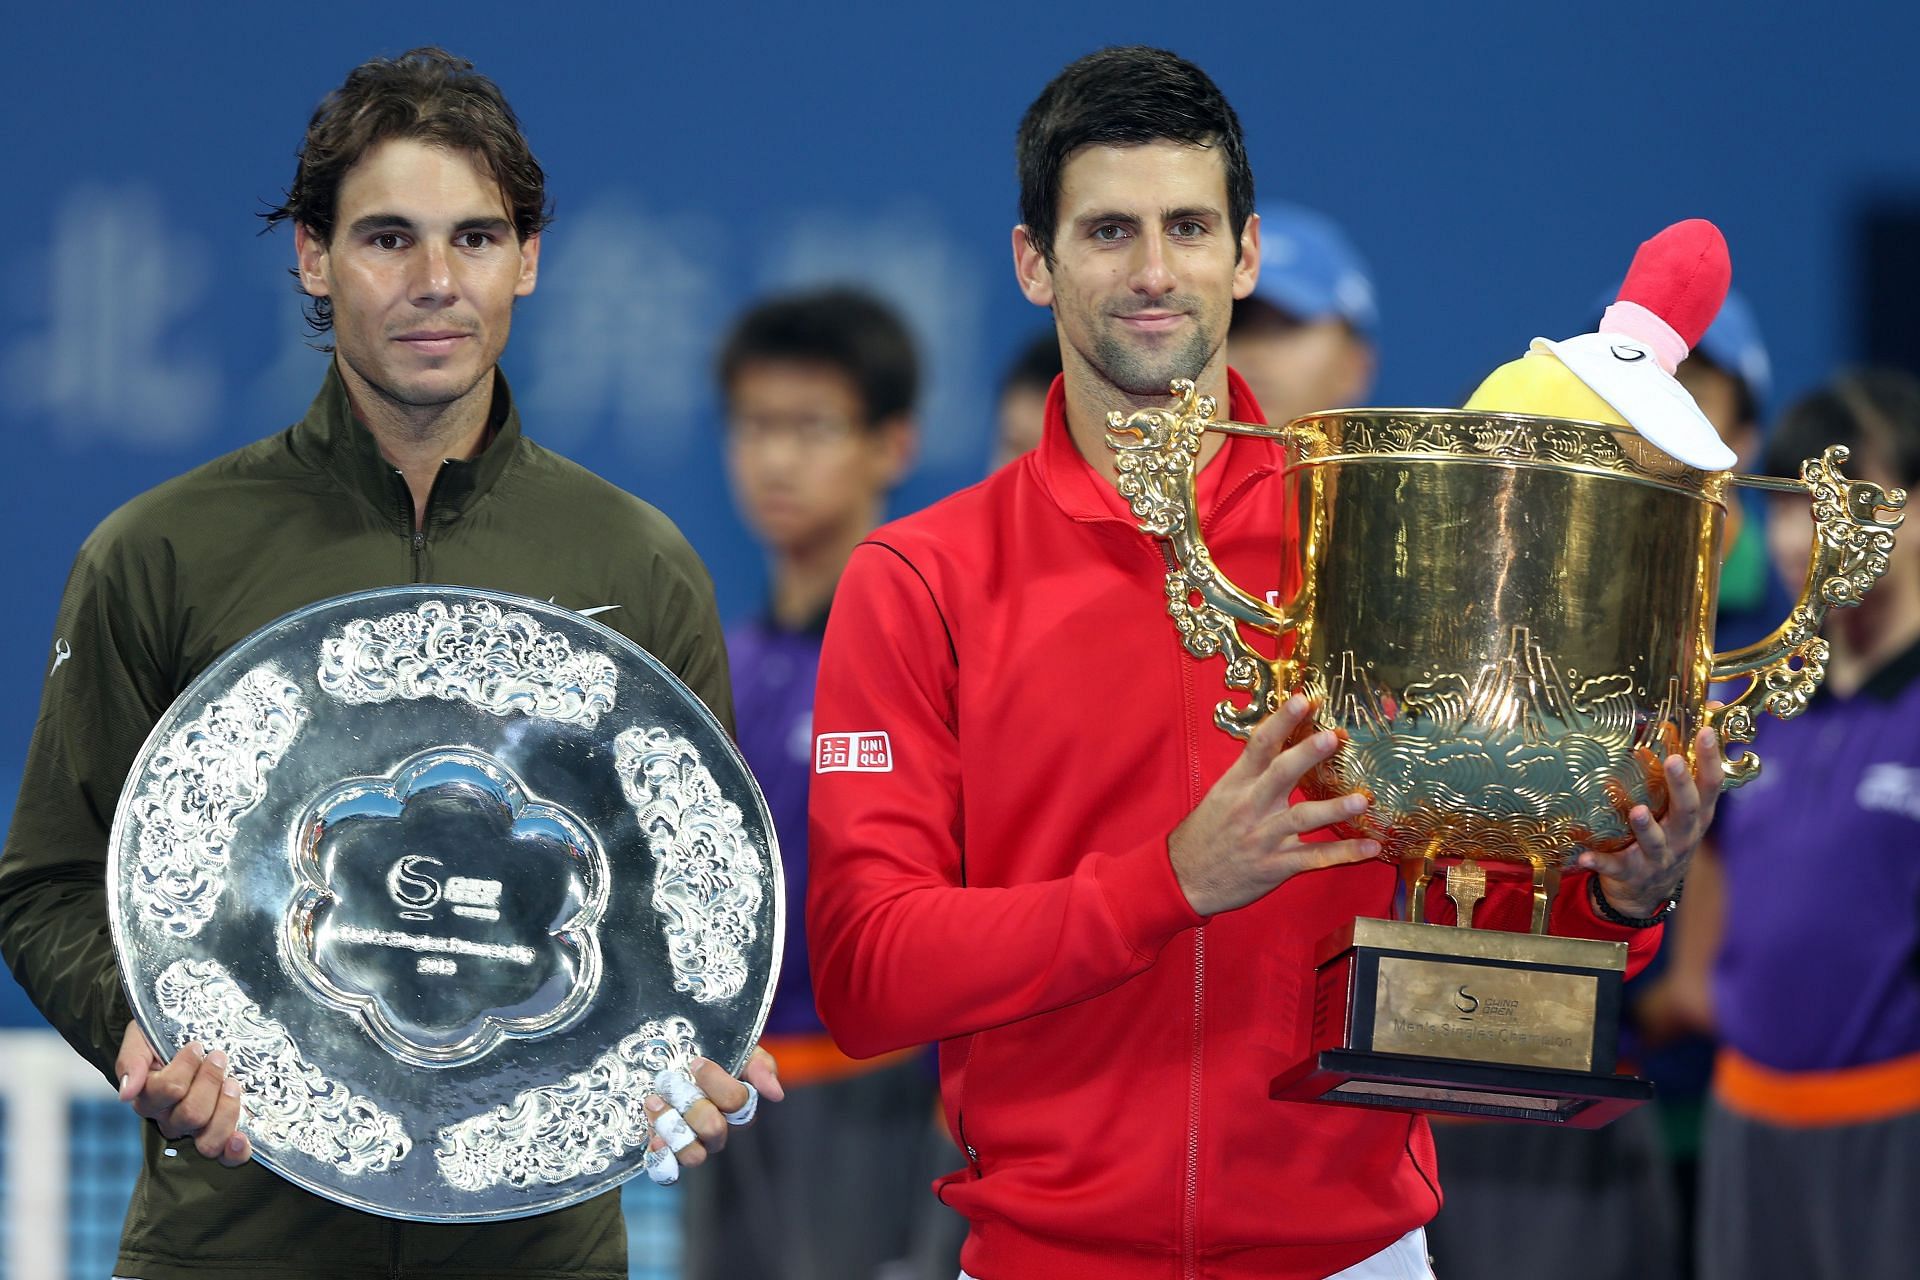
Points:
[(1497, 161)]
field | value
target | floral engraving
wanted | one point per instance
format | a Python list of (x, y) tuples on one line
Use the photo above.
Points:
[(576, 1128), (497, 660), (707, 872), (206, 777), (291, 1104)]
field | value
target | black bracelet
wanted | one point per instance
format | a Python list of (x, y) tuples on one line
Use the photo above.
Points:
[(1605, 910)]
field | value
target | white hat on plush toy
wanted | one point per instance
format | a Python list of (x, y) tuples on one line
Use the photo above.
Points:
[(1672, 292)]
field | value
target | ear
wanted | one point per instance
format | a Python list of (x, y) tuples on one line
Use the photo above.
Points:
[(1246, 273), (1031, 269), (896, 444), (529, 265), (311, 253)]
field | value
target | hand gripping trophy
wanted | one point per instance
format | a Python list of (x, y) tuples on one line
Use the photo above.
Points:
[(1505, 612)]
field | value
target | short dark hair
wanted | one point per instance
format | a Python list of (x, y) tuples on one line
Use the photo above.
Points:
[(425, 94), (847, 329), (1874, 412), (1035, 367), (1124, 97)]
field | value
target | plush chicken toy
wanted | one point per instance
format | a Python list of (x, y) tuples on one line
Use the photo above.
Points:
[(1623, 375)]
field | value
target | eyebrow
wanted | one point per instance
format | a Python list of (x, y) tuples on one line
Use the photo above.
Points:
[(1133, 220), (373, 222)]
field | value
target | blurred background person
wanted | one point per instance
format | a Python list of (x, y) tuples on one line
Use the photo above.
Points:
[(1811, 1163), (1304, 339), (819, 391), (1023, 398)]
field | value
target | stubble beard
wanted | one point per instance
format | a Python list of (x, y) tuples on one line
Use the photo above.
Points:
[(1147, 373)]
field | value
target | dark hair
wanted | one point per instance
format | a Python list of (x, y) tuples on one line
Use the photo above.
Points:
[(1874, 412), (1745, 406), (426, 94), (847, 329), (1035, 367), (1124, 97)]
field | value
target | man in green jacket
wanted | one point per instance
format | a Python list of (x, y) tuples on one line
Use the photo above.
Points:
[(417, 209)]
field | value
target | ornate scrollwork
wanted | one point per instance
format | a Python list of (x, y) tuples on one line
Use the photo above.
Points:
[(291, 1104), (208, 776), (497, 660), (1853, 536), (707, 873), (1155, 452), (1502, 437), (573, 1129)]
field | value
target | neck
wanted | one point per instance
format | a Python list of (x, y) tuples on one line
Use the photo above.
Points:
[(804, 577), (1090, 398), (417, 439)]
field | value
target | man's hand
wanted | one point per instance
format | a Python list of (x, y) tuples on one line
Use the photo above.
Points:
[(1243, 840), (190, 1097), (691, 1114), (1641, 878)]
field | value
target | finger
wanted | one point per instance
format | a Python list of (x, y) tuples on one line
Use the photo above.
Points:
[(713, 1082), (661, 1166), (763, 1073), (1270, 736), (211, 1141), (193, 1112), (1683, 811), (1312, 815), (239, 1149), (1320, 854), (1709, 766), (1291, 765), (708, 1125), (133, 1063), (165, 1088), (675, 1134)]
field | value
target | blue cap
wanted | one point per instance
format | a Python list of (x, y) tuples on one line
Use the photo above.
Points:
[(1311, 271), (1732, 342)]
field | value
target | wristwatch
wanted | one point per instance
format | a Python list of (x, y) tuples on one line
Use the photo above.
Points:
[(1605, 910)]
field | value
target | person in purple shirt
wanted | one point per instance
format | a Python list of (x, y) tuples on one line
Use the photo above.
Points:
[(819, 389), (1812, 1144)]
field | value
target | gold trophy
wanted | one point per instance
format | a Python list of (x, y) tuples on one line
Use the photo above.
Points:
[(1508, 621)]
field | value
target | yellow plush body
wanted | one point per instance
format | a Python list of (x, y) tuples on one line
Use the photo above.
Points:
[(1538, 383)]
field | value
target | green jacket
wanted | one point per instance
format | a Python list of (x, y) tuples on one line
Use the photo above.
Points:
[(161, 589)]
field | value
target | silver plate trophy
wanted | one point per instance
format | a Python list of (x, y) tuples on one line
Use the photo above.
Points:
[(451, 876)]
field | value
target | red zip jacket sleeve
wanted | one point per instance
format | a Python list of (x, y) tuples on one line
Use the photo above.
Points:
[(904, 950)]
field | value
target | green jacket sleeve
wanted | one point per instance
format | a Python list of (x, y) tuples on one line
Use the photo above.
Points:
[(104, 691), (682, 625)]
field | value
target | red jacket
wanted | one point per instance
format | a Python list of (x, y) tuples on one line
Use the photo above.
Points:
[(992, 874)]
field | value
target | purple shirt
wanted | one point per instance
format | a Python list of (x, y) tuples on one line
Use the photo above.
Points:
[(1820, 966), (773, 676)]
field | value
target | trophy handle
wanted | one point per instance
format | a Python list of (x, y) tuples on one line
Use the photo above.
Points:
[(1156, 452), (1851, 542)]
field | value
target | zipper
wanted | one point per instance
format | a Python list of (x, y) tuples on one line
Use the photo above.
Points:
[(1190, 1189), (419, 537)]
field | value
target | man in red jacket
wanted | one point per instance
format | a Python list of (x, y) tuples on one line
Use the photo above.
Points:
[(1030, 843)]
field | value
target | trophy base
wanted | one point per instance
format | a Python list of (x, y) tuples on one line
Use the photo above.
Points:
[(1472, 1022), (1403, 1082)]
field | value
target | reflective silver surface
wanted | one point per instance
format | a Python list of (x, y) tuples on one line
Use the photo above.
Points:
[(452, 877)]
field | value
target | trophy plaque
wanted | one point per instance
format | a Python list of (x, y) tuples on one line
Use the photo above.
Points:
[(1507, 619), (452, 877)]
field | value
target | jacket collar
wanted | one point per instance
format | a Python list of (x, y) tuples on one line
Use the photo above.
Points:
[(331, 439), (1080, 491)]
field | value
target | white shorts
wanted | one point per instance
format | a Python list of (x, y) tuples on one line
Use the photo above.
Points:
[(1404, 1259)]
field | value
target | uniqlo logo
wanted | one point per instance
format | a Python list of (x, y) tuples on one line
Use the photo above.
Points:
[(870, 752)]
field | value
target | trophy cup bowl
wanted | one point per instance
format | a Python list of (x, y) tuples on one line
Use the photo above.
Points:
[(1508, 621)]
